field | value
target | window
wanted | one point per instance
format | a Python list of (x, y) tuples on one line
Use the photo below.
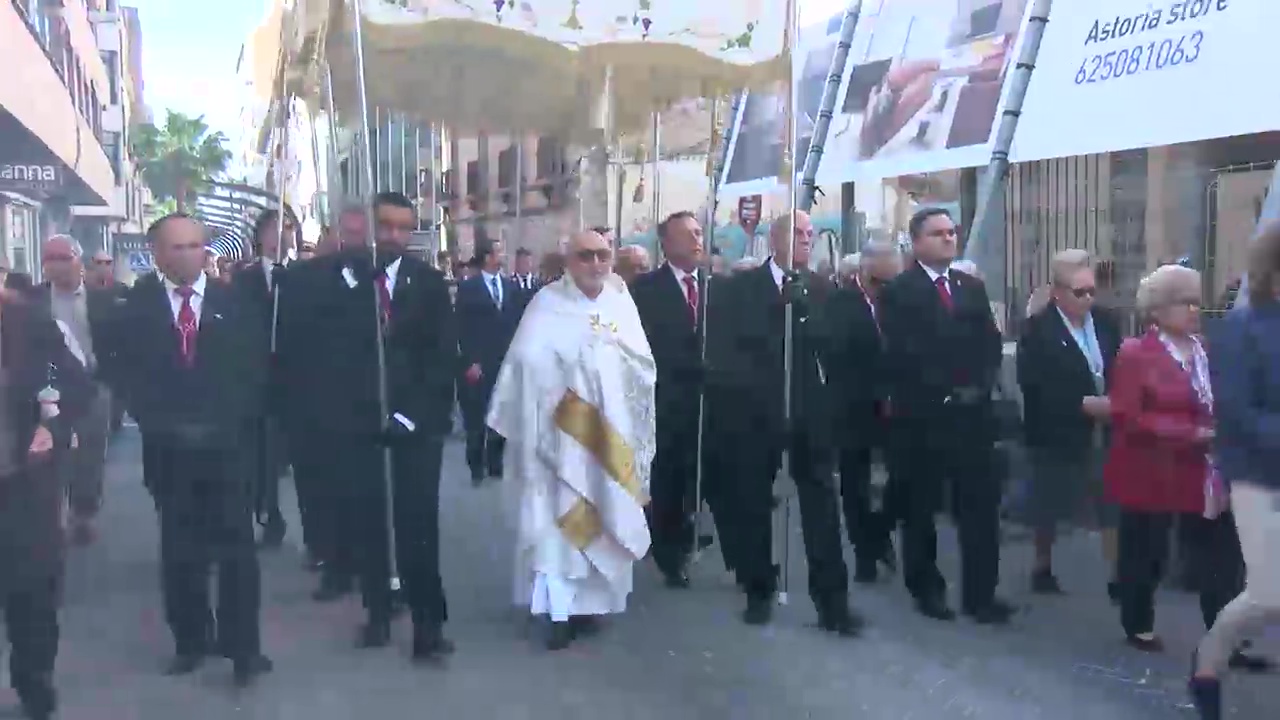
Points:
[(475, 189), (508, 185), (112, 60)]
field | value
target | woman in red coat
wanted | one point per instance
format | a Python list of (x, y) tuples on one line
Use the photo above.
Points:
[(1159, 471)]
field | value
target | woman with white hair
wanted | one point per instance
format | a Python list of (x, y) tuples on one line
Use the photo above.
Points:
[(1160, 469)]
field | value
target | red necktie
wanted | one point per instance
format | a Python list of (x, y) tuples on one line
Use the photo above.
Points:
[(187, 326), (691, 297), (944, 293), (384, 298)]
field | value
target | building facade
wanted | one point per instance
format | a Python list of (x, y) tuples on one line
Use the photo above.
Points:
[(53, 125), (118, 37)]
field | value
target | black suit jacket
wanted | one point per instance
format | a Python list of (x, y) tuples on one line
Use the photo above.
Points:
[(930, 351), (675, 341), (748, 355), (100, 306), (205, 404), (485, 330), (856, 352), (1054, 377), (328, 355), (33, 354)]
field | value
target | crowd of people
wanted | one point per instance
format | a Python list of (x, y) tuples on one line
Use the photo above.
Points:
[(611, 397)]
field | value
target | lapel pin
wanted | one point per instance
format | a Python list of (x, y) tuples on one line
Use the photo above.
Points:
[(217, 316)]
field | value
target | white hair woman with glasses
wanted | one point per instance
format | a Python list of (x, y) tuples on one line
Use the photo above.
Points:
[(1065, 356), (1160, 469)]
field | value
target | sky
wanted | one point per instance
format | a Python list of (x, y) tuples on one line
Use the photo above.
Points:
[(189, 52)]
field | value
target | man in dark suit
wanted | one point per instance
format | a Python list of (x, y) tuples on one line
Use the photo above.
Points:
[(860, 411), (671, 309), (944, 353), (489, 308), (523, 275), (193, 373), (45, 391), (751, 359), (257, 284), (332, 366)]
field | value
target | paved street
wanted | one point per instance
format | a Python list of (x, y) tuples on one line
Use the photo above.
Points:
[(674, 656)]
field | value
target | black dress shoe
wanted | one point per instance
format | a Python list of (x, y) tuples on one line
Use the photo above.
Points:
[(677, 580), (1247, 662), (992, 612), (1151, 644), (1206, 692), (1044, 582), (1113, 592), (273, 533), (935, 608), (245, 671), (559, 635), (38, 699), (584, 625), (836, 617), (477, 477), (495, 472), (866, 571), (184, 664), (374, 634), (430, 644), (759, 610)]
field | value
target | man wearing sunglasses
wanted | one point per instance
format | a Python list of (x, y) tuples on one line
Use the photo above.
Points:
[(579, 370)]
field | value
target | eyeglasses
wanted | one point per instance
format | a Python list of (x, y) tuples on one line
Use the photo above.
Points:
[(1084, 292), (103, 261), (59, 258), (589, 255)]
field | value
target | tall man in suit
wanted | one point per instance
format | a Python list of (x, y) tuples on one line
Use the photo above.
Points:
[(944, 354), (193, 373), (669, 301), (861, 403), (257, 285), (356, 295), (751, 359), (524, 276), (489, 308)]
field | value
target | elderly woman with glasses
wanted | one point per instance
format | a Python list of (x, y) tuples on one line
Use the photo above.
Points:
[(1160, 471), (1065, 355)]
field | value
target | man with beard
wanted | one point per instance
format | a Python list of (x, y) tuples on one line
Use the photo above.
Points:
[(332, 325), (749, 356)]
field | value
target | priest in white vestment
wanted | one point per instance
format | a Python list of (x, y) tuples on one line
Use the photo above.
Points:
[(574, 399)]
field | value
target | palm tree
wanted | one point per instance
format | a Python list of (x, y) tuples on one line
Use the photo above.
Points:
[(179, 159)]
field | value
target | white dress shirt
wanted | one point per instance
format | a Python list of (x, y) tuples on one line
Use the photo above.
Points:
[(391, 272), (175, 300), (680, 276), (778, 273), (934, 275), (492, 281)]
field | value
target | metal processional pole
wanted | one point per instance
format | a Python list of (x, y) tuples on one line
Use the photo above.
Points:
[(383, 403), (783, 544), (655, 168), (714, 168), (331, 118), (519, 190), (808, 181), (998, 168)]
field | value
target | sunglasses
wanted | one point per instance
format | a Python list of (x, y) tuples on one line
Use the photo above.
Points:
[(1084, 292), (589, 255)]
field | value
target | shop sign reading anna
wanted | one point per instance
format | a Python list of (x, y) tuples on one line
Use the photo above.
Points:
[(16, 177), (1124, 74)]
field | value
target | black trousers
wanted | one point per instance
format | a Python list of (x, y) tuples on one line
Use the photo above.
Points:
[(415, 505), (758, 464), (206, 521), (1209, 548), (484, 446), (267, 457), (321, 472), (671, 491), (31, 623), (720, 491), (948, 455), (868, 528)]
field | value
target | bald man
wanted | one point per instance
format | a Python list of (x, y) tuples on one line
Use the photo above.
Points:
[(749, 356), (83, 313), (632, 261)]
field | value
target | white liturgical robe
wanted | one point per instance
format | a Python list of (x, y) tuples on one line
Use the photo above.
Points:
[(574, 399)]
